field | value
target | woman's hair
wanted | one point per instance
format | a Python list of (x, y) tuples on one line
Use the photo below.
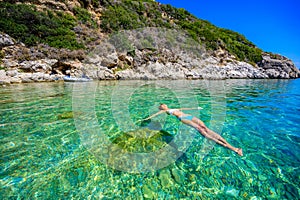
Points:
[(162, 105)]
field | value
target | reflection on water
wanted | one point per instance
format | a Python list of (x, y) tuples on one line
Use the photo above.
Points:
[(44, 156)]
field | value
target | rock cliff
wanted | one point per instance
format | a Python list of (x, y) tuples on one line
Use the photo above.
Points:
[(144, 64)]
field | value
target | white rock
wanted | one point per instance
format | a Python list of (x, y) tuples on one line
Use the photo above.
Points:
[(12, 73)]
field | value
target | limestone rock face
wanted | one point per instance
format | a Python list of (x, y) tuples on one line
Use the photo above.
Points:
[(277, 66), (3, 77), (22, 64), (6, 40), (153, 71), (105, 74), (43, 65)]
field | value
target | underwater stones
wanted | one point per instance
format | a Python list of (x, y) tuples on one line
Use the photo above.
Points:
[(178, 175), (143, 133), (153, 125), (165, 179), (81, 174), (66, 115), (141, 140), (262, 177), (192, 177), (245, 194), (147, 192), (232, 191), (291, 191), (272, 192), (251, 165)]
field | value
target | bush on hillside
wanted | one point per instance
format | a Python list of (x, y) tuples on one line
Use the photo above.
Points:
[(32, 27), (125, 15)]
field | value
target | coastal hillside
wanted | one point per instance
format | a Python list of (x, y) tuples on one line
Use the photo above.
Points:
[(44, 40)]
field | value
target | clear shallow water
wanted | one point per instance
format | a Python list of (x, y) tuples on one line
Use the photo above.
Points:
[(44, 155)]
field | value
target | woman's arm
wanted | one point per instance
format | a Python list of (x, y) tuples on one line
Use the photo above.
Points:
[(199, 108), (158, 113)]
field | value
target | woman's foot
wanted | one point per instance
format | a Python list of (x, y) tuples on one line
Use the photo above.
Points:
[(239, 151)]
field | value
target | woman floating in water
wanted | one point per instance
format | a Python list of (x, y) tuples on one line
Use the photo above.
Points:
[(197, 124)]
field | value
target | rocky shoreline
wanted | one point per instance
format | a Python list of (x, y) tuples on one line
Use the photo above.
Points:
[(143, 64)]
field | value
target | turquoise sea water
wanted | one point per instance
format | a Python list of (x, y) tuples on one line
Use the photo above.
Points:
[(48, 153)]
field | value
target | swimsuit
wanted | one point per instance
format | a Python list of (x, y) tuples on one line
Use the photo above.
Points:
[(171, 111), (186, 117)]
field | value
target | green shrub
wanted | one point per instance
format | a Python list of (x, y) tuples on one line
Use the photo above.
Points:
[(118, 18), (87, 3), (27, 24), (31, 27), (83, 15), (130, 15), (121, 43)]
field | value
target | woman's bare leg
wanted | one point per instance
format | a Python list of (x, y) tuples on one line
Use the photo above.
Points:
[(200, 126), (225, 143)]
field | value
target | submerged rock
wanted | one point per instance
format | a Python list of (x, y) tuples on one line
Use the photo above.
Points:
[(66, 115), (148, 193), (262, 177), (178, 175), (142, 140), (232, 191), (165, 179)]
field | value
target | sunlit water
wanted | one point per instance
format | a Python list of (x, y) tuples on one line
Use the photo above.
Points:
[(45, 156)]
